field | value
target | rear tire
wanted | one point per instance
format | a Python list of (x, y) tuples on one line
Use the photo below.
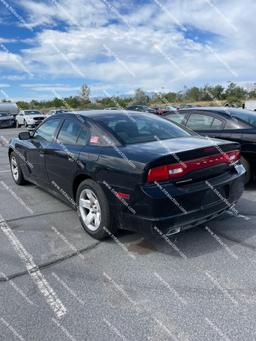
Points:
[(93, 210), (16, 171), (247, 167)]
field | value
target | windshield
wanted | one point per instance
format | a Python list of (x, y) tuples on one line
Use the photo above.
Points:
[(4, 114), (32, 112), (140, 128), (245, 115)]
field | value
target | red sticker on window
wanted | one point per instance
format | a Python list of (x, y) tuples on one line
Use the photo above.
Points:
[(94, 139)]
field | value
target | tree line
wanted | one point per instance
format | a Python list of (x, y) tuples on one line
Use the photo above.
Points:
[(217, 94)]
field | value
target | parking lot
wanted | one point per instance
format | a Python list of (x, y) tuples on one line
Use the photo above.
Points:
[(197, 285)]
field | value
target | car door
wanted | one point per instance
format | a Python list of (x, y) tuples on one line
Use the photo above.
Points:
[(63, 154), (38, 144), (205, 123)]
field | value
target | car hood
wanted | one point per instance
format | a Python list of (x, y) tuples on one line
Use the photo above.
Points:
[(34, 116)]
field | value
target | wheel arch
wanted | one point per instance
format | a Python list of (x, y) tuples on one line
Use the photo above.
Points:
[(10, 150), (76, 182)]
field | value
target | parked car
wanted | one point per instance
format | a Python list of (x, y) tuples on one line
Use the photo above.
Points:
[(160, 111), (6, 120), (232, 124), (29, 118), (137, 172), (171, 107), (113, 108), (56, 112), (142, 108)]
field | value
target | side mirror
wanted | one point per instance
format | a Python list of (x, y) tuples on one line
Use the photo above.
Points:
[(25, 135)]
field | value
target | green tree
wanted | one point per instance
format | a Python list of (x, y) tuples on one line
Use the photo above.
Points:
[(193, 94), (235, 94), (140, 97)]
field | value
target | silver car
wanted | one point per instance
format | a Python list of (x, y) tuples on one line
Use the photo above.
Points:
[(29, 118)]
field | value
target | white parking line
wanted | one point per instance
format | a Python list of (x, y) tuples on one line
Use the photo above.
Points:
[(38, 278), (5, 171)]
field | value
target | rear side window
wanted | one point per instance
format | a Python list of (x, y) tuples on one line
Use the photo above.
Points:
[(200, 122), (217, 124), (177, 117), (69, 132), (46, 131)]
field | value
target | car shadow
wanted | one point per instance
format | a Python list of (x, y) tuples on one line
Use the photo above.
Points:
[(228, 230)]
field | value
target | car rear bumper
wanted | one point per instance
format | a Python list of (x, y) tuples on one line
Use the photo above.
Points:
[(175, 209)]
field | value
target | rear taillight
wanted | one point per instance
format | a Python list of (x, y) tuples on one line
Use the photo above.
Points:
[(172, 171)]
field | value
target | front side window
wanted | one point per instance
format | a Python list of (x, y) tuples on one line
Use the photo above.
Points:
[(246, 116), (46, 131), (69, 132)]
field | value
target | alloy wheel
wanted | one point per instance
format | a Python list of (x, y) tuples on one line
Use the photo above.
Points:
[(14, 168), (89, 208)]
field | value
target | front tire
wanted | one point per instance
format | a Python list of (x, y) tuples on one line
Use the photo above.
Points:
[(93, 210), (17, 124), (25, 124), (16, 171)]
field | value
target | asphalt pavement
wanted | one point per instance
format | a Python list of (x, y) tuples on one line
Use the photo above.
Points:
[(58, 283)]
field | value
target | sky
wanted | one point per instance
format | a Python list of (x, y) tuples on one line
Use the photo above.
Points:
[(50, 48)]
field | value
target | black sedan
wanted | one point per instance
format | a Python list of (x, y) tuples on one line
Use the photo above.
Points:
[(6, 120), (142, 108), (133, 171), (232, 124)]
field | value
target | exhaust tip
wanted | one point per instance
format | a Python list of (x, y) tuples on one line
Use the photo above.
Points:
[(172, 231)]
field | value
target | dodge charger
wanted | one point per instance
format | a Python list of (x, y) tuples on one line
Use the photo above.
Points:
[(129, 170)]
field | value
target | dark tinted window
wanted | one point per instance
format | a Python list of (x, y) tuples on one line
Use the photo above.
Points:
[(101, 137), (4, 114), (140, 128), (199, 122), (69, 132), (83, 136), (217, 124), (177, 117), (245, 116), (46, 131)]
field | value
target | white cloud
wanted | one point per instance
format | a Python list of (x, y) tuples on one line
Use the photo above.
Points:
[(6, 40), (51, 87), (151, 41)]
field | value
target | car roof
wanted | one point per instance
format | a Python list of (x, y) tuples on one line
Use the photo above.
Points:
[(223, 110), (94, 113)]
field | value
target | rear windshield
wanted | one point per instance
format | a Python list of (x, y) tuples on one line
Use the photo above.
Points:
[(140, 128), (245, 116), (3, 114)]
